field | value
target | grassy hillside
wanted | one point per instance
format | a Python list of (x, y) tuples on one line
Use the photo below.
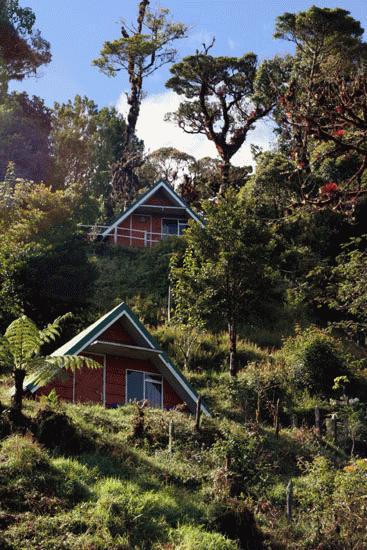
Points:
[(82, 477)]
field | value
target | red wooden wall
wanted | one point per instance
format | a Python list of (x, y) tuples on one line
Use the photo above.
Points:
[(89, 382)]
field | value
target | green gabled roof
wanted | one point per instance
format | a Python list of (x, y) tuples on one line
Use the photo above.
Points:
[(81, 340), (140, 200)]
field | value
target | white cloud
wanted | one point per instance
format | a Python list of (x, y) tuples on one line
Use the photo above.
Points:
[(157, 133), (231, 44)]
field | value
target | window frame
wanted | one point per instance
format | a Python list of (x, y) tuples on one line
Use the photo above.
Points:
[(146, 375), (179, 223)]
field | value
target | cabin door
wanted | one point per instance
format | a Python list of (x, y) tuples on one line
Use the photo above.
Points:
[(141, 230)]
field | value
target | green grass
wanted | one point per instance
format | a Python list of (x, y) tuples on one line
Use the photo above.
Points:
[(116, 491)]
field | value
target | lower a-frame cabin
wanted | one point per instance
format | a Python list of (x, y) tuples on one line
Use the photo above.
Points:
[(133, 367)]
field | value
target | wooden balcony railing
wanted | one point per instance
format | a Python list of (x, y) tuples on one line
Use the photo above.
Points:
[(127, 236)]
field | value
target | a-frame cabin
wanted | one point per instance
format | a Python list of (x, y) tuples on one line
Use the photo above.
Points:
[(157, 214), (134, 368)]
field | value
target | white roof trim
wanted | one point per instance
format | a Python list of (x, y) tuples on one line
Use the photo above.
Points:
[(60, 351), (182, 382), (146, 197)]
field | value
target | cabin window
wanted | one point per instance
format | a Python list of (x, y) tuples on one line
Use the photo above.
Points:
[(173, 227), (143, 385)]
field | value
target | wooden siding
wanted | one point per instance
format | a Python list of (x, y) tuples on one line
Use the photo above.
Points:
[(89, 382)]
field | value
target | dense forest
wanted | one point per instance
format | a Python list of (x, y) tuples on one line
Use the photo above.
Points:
[(263, 306)]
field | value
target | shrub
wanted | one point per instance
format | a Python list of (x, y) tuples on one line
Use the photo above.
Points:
[(257, 388), (55, 430), (242, 464), (235, 520), (314, 360)]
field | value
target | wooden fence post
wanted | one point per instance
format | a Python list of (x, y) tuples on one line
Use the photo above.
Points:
[(294, 421), (317, 421), (170, 436), (276, 419), (334, 428), (289, 500), (198, 414)]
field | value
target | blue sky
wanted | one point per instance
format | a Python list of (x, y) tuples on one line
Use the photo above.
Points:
[(78, 28)]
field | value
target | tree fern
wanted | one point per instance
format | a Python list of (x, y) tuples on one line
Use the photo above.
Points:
[(20, 350)]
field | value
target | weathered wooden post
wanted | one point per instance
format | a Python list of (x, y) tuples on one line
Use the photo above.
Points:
[(276, 419), (317, 421), (198, 414), (294, 420), (289, 500), (334, 428), (170, 436)]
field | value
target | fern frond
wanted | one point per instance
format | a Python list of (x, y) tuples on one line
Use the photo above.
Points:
[(24, 340), (52, 331), (50, 367)]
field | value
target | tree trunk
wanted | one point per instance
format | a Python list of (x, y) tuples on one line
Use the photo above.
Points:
[(17, 400), (232, 333), (226, 166)]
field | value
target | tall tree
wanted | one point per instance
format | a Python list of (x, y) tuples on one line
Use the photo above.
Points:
[(85, 142), (325, 102), (168, 164), (140, 51), (225, 275), (25, 125), (22, 48), (225, 97)]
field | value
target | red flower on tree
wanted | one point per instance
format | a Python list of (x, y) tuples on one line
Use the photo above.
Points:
[(329, 188), (339, 132)]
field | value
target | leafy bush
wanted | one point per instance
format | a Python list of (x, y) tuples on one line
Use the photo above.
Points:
[(331, 504), (314, 359), (257, 388), (242, 462), (55, 429)]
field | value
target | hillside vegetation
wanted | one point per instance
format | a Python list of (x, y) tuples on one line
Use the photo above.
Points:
[(84, 477)]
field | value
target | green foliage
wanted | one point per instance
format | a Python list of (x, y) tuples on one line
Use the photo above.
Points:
[(139, 276), (225, 97), (341, 36), (314, 359), (42, 244), (20, 348), (208, 351), (190, 537), (243, 465), (25, 125), (348, 286), (332, 503), (224, 286), (22, 49), (85, 142), (149, 50)]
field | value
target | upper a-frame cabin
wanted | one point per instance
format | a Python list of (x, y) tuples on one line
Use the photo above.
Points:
[(157, 214)]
